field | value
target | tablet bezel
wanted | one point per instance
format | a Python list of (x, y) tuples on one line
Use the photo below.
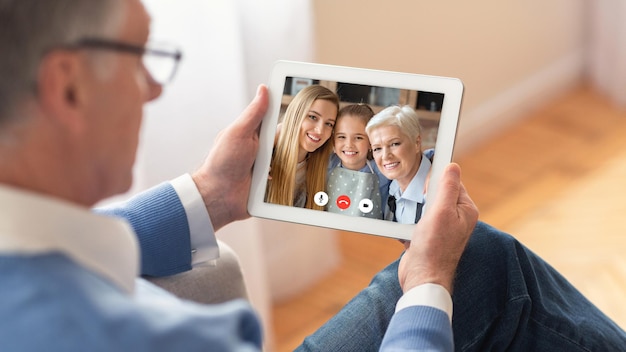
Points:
[(452, 88)]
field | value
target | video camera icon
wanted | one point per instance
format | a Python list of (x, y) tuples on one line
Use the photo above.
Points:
[(366, 205)]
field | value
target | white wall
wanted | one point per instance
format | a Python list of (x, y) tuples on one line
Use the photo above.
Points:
[(511, 55), (208, 92), (229, 48), (607, 48), (296, 256)]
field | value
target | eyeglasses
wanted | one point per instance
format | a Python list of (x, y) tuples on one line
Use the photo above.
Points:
[(160, 60)]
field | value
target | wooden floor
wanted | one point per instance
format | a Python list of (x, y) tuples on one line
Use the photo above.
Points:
[(555, 180)]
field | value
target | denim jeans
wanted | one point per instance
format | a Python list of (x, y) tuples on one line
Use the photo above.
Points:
[(505, 298)]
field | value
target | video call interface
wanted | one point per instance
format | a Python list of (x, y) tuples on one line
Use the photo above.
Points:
[(362, 190)]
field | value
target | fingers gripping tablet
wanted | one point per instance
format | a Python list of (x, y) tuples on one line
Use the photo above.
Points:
[(353, 149)]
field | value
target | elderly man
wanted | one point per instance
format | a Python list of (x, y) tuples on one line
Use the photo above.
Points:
[(76, 74)]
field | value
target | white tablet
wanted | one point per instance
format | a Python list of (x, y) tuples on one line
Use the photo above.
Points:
[(312, 167)]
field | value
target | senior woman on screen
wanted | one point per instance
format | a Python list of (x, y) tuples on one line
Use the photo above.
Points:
[(395, 137)]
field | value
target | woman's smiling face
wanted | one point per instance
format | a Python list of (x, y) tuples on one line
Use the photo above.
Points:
[(317, 126), (396, 155)]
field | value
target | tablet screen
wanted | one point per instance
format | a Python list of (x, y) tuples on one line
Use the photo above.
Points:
[(353, 149)]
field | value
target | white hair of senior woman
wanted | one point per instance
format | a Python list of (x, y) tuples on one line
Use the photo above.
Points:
[(404, 117)]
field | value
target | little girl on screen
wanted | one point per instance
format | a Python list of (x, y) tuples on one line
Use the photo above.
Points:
[(353, 178)]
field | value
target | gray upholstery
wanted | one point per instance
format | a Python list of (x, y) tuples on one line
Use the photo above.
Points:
[(215, 282)]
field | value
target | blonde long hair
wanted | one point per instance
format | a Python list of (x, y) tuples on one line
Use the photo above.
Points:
[(282, 185)]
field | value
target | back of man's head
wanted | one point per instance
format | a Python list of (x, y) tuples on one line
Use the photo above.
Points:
[(31, 28)]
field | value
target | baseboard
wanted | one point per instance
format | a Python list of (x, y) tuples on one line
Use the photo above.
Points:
[(508, 107)]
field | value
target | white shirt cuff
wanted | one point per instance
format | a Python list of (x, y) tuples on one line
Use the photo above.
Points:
[(431, 295), (203, 241)]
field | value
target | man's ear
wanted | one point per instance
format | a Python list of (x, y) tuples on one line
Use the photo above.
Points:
[(60, 89)]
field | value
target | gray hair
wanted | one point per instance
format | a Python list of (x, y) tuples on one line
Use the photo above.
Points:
[(404, 117), (30, 28)]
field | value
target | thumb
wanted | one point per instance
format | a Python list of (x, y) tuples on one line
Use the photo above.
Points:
[(449, 187), (251, 117)]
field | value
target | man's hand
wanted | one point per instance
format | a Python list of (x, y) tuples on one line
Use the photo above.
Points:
[(440, 236), (224, 178)]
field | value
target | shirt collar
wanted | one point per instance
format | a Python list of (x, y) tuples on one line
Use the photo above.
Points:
[(367, 168), (32, 223), (415, 191)]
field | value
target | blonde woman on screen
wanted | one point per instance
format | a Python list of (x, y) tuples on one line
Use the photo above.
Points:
[(300, 158)]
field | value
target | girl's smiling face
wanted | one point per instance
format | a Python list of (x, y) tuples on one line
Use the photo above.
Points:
[(316, 127), (351, 142), (396, 155)]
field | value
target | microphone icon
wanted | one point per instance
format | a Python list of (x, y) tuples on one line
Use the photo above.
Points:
[(320, 198)]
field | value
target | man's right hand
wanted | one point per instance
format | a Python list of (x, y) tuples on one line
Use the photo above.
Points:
[(440, 236)]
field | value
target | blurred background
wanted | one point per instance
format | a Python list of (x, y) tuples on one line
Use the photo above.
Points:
[(516, 58)]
